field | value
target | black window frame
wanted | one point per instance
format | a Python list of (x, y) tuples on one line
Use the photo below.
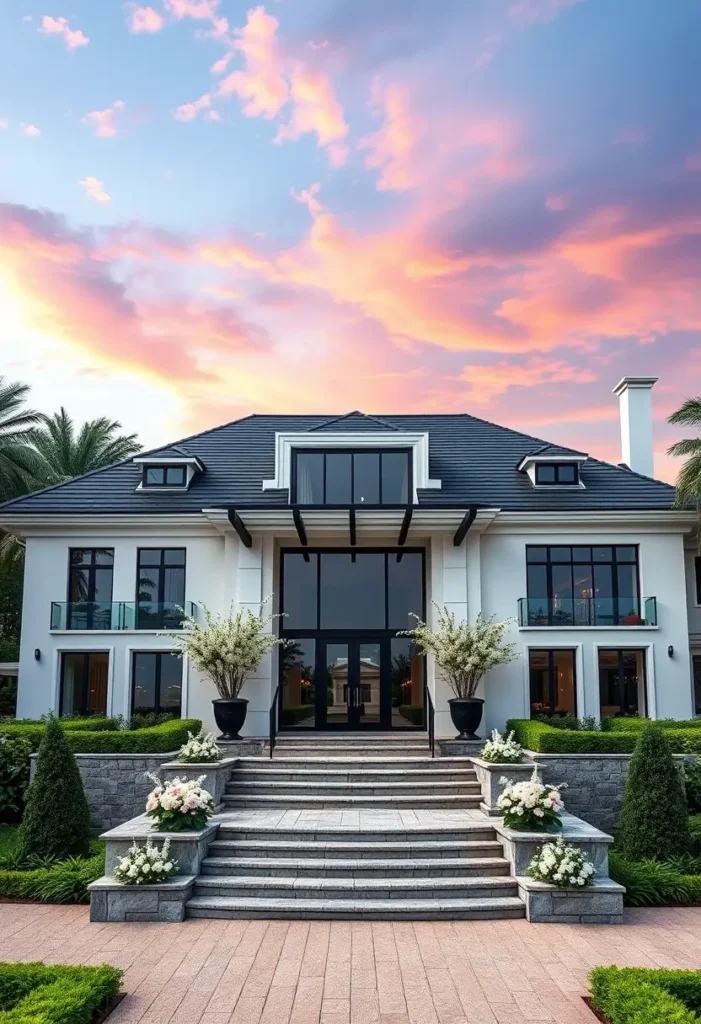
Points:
[(697, 578), (620, 684), (552, 676), (158, 709), (296, 452), (95, 618), (159, 600), (549, 562), (86, 655), (557, 466), (167, 468)]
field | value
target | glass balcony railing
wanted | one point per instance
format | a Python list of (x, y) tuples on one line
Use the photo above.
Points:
[(587, 611), (109, 615)]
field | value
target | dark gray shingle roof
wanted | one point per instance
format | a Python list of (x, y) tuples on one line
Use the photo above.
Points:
[(475, 460)]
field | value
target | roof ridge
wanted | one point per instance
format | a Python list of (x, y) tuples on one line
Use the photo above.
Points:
[(347, 415)]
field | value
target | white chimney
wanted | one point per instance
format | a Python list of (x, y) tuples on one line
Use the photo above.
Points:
[(636, 423)]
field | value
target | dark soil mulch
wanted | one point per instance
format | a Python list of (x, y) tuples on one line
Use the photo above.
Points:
[(597, 1013), (109, 1007)]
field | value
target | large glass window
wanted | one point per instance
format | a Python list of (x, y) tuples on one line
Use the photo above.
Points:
[(552, 682), (298, 687), (407, 674), (583, 585), (156, 682), (160, 588), (622, 686), (84, 676), (357, 478), (164, 476), (90, 588), (697, 576), (697, 683), (352, 591)]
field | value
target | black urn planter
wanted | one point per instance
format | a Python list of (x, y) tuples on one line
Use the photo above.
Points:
[(466, 714), (230, 716)]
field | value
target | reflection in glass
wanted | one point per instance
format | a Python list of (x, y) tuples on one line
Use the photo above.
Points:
[(84, 683), (90, 588), (298, 690), (366, 478), (622, 687), (364, 704), (156, 681), (338, 479), (337, 663), (552, 682), (352, 591), (310, 478), (299, 591), (160, 588), (407, 680), (404, 589), (395, 478)]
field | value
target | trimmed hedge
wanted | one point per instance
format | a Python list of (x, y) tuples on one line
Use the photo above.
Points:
[(614, 724), (544, 739), (158, 739), (49, 994), (637, 995)]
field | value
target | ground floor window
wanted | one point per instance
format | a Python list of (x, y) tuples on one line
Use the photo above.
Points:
[(697, 683), (84, 676), (156, 682), (622, 683), (552, 682)]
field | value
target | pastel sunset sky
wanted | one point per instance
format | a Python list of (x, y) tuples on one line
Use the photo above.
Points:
[(209, 209)]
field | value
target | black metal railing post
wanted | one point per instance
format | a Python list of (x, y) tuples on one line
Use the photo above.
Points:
[(430, 720), (273, 720)]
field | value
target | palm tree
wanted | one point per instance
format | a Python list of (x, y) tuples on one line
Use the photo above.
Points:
[(63, 453), (689, 479), (18, 461)]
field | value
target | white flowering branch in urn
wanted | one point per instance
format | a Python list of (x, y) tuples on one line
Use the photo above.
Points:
[(465, 652), (228, 649)]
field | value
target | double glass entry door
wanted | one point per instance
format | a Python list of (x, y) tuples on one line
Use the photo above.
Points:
[(337, 682)]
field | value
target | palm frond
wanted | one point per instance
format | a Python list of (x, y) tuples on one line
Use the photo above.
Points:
[(689, 413), (689, 483), (688, 446)]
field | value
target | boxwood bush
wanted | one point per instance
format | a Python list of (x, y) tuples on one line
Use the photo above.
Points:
[(637, 995), (614, 724), (106, 739), (544, 739), (55, 994)]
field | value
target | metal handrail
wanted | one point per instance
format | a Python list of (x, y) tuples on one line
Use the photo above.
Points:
[(431, 720), (273, 720)]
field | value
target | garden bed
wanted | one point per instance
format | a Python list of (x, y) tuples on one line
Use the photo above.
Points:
[(647, 996), (57, 994), (64, 881), (619, 738)]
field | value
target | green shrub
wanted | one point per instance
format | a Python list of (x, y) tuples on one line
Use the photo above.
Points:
[(695, 833), (654, 883), (633, 995), (14, 776), (692, 786), (38, 993), (545, 739), (654, 818), (159, 739), (66, 881), (8, 692), (56, 820), (146, 719), (616, 724), (571, 722)]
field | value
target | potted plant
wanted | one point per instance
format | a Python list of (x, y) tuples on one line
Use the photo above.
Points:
[(465, 651), (228, 649)]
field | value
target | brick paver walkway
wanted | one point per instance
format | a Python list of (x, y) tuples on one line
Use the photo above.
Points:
[(319, 972)]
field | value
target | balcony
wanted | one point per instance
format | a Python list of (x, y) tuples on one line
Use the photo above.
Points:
[(116, 615), (587, 611)]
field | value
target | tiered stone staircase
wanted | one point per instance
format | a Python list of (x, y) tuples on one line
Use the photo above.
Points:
[(397, 835)]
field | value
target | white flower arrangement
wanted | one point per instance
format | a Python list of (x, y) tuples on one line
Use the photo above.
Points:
[(146, 864), (501, 749), (562, 865), (200, 749), (465, 651), (179, 804), (530, 806)]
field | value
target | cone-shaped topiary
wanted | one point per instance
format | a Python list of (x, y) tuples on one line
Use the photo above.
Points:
[(654, 819), (56, 820)]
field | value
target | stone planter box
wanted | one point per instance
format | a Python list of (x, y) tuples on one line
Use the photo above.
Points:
[(188, 848), (488, 776), (164, 901), (599, 903), (521, 847), (459, 748), (216, 775)]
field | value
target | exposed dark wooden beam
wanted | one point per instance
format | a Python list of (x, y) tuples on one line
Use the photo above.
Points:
[(465, 525), (299, 526), (352, 527), (404, 529), (236, 522)]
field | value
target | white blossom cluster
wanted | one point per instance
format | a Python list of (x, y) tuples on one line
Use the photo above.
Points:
[(562, 865), (200, 749), (465, 651), (501, 749), (179, 804), (530, 804), (144, 864), (227, 648)]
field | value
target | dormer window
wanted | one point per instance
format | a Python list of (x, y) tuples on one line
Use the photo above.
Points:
[(164, 476), (167, 472), (346, 477), (562, 474)]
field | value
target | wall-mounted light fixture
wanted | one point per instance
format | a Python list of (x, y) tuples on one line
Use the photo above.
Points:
[(37, 654), (670, 651)]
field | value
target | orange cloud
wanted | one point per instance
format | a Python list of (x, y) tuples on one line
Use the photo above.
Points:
[(95, 189), (145, 19), (73, 38), (260, 85), (104, 122), (393, 147), (486, 381), (315, 110)]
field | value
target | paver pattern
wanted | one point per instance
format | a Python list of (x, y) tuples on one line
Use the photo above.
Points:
[(351, 972)]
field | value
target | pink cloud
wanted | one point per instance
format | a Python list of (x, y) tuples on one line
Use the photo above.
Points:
[(95, 189), (4, 124), (189, 111), (558, 202), (260, 85), (200, 10), (220, 66), (145, 19), (482, 60), (104, 122), (393, 147), (540, 10), (307, 197), (488, 380), (315, 110), (30, 131), (73, 38)]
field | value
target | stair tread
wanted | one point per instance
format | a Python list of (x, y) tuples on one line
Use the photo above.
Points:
[(345, 785), (363, 863), (381, 846), (255, 903), (364, 770), (462, 828), (320, 882), (369, 799), (423, 761)]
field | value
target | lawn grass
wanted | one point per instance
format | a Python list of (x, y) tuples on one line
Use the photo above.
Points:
[(39, 993)]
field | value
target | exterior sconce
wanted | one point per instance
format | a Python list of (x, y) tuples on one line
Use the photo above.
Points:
[(670, 651), (37, 654)]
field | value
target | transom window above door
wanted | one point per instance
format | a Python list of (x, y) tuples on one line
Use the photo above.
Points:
[(345, 477)]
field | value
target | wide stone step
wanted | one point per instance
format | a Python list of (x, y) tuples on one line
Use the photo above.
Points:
[(356, 850), (399, 786), (364, 867), (354, 750), (322, 776), (274, 888), (350, 909), (307, 801), (331, 835), (372, 762)]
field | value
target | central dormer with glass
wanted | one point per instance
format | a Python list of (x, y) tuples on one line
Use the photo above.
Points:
[(346, 477)]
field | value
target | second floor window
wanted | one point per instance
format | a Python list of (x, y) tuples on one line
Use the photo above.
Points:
[(351, 478), (90, 588), (583, 586), (160, 591)]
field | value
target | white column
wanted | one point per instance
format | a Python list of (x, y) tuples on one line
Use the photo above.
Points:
[(635, 394)]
